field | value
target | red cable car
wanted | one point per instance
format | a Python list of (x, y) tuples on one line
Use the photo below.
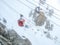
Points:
[(21, 22)]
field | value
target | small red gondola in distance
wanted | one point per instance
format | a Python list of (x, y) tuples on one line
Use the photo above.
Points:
[(21, 21)]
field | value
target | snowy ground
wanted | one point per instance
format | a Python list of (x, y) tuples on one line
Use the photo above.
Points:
[(10, 10)]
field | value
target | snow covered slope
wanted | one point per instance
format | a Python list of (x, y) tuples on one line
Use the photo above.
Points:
[(11, 10)]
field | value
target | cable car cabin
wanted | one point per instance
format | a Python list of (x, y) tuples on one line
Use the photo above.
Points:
[(21, 22), (40, 19)]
